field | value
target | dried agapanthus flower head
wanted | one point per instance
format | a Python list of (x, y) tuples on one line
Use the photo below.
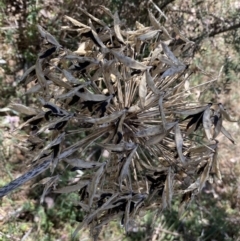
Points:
[(118, 109)]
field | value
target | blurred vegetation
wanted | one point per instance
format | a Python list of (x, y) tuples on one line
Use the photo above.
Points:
[(214, 24)]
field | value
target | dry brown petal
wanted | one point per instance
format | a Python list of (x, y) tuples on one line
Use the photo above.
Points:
[(126, 146), (92, 187), (105, 119), (99, 41), (207, 123), (215, 165), (86, 95), (131, 63), (218, 126), (76, 23), (192, 111), (48, 37), (168, 190), (23, 109), (155, 23), (92, 17), (76, 162), (40, 76), (117, 27), (179, 143), (124, 173), (150, 83), (205, 175), (142, 90), (149, 35), (227, 134), (26, 73), (72, 188), (161, 110), (107, 10)]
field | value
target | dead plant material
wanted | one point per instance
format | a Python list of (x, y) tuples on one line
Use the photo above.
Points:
[(115, 109)]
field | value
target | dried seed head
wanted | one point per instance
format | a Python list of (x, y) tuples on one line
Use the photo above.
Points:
[(120, 104)]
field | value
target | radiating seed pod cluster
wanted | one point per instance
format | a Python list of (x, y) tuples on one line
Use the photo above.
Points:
[(116, 109)]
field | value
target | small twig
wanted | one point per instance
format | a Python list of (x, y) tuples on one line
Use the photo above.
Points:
[(169, 232), (210, 81), (159, 229), (10, 27), (159, 10), (156, 233), (194, 87), (26, 234)]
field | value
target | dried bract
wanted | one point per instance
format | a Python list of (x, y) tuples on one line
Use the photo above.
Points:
[(113, 112)]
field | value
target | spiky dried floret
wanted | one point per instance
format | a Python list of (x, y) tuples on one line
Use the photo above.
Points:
[(112, 109)]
